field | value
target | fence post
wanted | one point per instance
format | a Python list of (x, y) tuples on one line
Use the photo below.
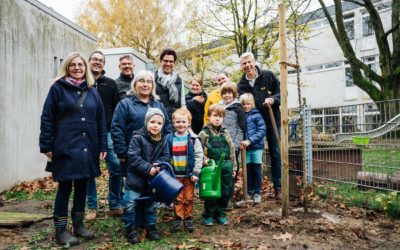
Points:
[(307, 135)]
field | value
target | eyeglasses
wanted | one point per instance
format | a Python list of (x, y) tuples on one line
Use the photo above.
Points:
[(95, 59), (145, 81), (74, 65)]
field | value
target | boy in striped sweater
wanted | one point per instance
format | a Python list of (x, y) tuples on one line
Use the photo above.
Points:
[(187, 159)]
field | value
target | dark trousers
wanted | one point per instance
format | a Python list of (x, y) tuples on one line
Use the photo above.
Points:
[(254, 178), (215, 208), (63, 194), (275, 155)]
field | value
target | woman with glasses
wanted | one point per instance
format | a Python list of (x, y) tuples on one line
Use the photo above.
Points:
[(73, 136), (129, 116)]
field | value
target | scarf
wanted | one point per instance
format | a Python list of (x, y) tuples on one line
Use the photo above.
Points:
[(74, 81), (168, 83)]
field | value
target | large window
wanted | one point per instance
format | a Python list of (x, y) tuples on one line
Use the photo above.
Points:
[(349, 25), (367, 26), (349, 77)]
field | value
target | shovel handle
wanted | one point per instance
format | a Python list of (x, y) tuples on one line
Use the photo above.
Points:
[(272, 117)]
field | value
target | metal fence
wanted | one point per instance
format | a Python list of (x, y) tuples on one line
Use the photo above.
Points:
[(353, 144)]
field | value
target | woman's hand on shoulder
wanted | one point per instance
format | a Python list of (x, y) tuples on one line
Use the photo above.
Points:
[(49, 154)]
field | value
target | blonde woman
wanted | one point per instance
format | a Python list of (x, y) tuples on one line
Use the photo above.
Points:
[(73, 135)]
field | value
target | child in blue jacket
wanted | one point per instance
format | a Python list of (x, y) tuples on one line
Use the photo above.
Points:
[(256, 131)]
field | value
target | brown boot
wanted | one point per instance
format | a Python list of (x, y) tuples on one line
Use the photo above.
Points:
[(91, 214), (115, 212), (278, 194)]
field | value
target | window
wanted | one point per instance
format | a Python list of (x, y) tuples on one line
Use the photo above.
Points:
[(349, 77), (367, 26), (349, 27), (333, 65), (315, 67), (370, 62), (293, 71), (55, 67), (325, 66)]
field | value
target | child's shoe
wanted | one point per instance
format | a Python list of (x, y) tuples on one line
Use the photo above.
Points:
[(208, 221), (229, 207), (178, 225), (132, 235), (222, 220), (256, 198), (189, 225), (152, 233)]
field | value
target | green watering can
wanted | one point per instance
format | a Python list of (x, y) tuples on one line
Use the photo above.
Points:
[(210, 180)]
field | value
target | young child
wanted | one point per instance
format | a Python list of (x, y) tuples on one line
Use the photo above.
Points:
[(216, 140), (187, 159), (255, 144), (146, 148)]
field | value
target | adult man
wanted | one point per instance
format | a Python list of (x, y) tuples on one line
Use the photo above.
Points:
[(109, 96), (169, 86), (127, 67), (215, 95), (265, 88)]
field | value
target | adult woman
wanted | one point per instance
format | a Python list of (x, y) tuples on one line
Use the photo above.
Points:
[(130, 113), (195, 101), (73, 135), (215, 95)]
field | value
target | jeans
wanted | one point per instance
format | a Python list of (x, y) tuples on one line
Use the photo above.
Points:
[(115, 181), (147, 215), (275, 155), (62, 197), (254, 178)]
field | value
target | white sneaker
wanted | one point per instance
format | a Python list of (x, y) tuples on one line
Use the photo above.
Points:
[(256, 198)]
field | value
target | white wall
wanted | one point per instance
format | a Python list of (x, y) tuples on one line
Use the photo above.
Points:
[(32, 42)]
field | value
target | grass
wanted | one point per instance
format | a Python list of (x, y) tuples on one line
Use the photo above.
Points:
[(40, 195), (352, 196), (385, 161)]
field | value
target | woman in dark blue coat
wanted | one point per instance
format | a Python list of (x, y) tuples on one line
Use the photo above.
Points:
[(130, 113), (73, 135)]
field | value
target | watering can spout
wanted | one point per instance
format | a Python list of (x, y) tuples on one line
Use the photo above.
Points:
[(217, 175)]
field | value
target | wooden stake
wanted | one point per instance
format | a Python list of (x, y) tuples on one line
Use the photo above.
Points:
[(284, 111), (244, 174)]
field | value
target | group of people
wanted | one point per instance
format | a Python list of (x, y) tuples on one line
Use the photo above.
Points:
[(138, 121)]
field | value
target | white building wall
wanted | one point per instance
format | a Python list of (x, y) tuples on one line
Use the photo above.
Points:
[(34, 41)]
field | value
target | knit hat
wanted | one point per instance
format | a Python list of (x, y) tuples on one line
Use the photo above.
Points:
[(152, 112)]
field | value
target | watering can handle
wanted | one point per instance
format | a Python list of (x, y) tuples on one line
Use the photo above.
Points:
[(168, 167)]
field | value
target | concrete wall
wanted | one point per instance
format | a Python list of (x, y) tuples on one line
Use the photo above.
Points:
[(33, 42)]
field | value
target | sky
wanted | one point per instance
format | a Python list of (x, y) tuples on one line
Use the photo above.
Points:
[(70, 8)]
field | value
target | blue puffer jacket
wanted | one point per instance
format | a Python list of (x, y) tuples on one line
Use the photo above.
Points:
[(142, 154), (79, 137), (255, 129), (129, 116)]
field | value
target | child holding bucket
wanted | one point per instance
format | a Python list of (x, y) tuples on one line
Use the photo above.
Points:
[(187, 159), (146, 148), (216, 141), (255, 145)]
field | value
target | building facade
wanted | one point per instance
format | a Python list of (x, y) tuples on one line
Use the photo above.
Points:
[(34, 42)]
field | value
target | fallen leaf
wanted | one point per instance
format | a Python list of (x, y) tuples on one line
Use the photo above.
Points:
[(283, 237)]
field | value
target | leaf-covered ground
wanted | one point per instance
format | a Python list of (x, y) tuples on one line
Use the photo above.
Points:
[(328, 225)]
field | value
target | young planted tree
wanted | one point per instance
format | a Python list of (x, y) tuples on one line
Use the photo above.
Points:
[(146, 25), (388, 81)]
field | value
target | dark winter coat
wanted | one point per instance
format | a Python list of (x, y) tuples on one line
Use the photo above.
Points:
[(170, 106), (77, 140), (235, 122), (142, 154), (266, 85), (197, 110), (108, 92), (124, 85), (255, 129), (128, 117)]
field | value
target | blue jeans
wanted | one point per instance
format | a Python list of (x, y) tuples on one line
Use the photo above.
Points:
[(147, 213), (115, 181), (254, 178), (275, 155)]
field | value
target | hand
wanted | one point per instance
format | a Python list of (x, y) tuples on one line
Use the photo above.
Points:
[(244, 144), (205, 162), (154, 171), (194, 178), (199, 99), (49, 154), (102, 155), (269, 100), (122, 160)]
